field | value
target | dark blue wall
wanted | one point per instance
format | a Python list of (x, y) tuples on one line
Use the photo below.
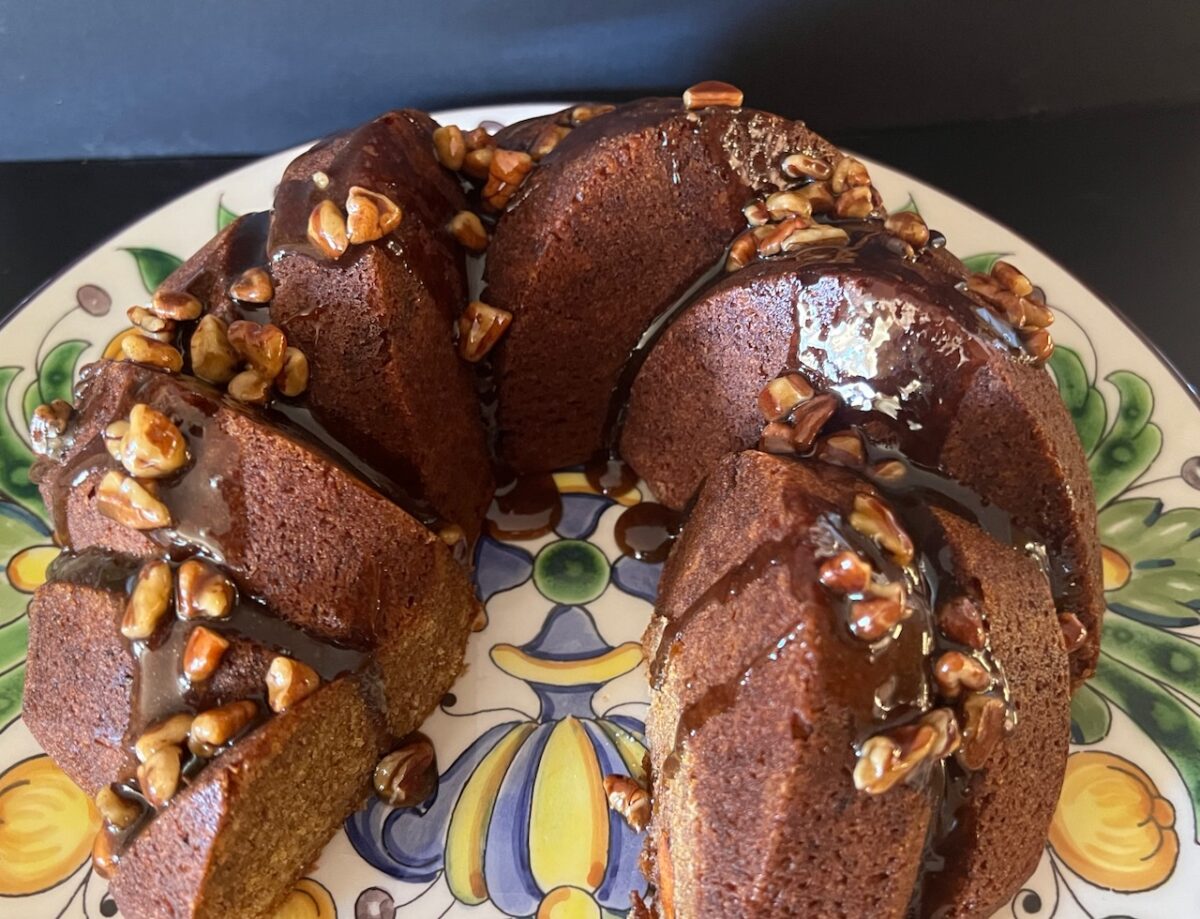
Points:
[(216, 76)]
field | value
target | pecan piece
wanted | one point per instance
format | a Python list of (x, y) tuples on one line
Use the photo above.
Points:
[(327, 229), (547, 140), (984, 724), (784, 204), (250, 387), (757, 214), (1074, 632), (370, 215), (1008, 275), (148, 601), (152, 446), (803, 166), (854, 202), (845, 573), (293, 378), (506, 172), (479, 328), (711, 93), (467, 228), (142, 350), (202, 654), (408, 775), (176, 305), (960, 620), (582, 113), (844, 448), (477, 162), (873, 518), (848, 173), (217, 726), (629, 799), (171, 732), (253, 285), (119, 812), (908, 226), (213, 358), (741, 251), (158, 776), (450, 146), (48, 424), (1038, 345), (875, 617), (782, 395), (130, 503), (261, 346), (202, 591), (150, 324), (955, 671), (886, 759), (288, 682), (809, 417)]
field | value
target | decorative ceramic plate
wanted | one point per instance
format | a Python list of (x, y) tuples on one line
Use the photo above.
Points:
[(553, 697)]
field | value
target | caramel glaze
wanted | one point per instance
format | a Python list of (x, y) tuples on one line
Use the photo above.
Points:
[(906, 656), (160, 688)]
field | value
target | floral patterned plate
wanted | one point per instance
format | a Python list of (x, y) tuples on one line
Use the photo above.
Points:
[(553, 697)]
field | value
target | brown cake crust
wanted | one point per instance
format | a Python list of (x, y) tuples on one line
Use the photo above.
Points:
[(771, 767), (627, 212), (207, 275), (321, 548), (962, 401), (377, 323)]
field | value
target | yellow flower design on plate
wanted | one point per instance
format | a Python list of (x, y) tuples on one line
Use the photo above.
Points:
[(46, 827), (27, 569), (308, 900), (1112, 827)]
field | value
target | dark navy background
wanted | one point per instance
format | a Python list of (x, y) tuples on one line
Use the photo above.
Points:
[(106, 78)]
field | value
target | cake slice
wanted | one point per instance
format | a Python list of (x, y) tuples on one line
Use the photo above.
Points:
[(768, 740)]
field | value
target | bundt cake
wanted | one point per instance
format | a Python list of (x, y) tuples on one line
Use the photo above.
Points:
[(882, 573)]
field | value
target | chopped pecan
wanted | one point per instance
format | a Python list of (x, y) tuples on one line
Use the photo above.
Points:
[(875, 617), (984, 724), (217, 726), (408, 775), (253, 285), (582, 113), (886, 759), (171, 732), (479, 328), (142, 350), (854, 202), (130, 503), (467, 228), (756, 213), (845, 573), (48, 424), (150, 324), (784, 204), (327, 229), (955, 671), (288, 682), (293, 378), (873, 518), (506, 172), (782, 395), (848, 173), (213, 358), (629, 799), (547, 140), (250, 387), (117, 811), (803, 166), (741, 251), (176, 305), (960, 620), (477, 162), (908, 226), (711, 93), (809, 417), (1073, 631), (370, 215), (153, 446), (844, 448), (202, 591), (262, 346), (202, 654), (158, 777), (148, 602), (450, 146)]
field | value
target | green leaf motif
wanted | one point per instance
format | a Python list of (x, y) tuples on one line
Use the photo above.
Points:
[(56, 376), (910, 206), (982, 262), (14, 639), (19, 529), (1164, 656), (30, 401), (1132, 442), (154, 265), (15, 455), (1083, 400), (1163, 554), (12, 684), (224, 216), (1090, 716), (1164, 719)]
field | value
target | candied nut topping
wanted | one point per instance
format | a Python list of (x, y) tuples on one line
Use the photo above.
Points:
[(467, 228), (1039, 345), (960, 620), (370, 215), (48, 424), (955, 671), (582, 113), (202, 591), (478, 139), (202, 654), (945, 728), (770, 238), (158, 776), (873, 518), (148, 602), (875, 617), (1008, 275), (150, 324), (810, 416), (119, 812), (803, 166), (479, 328), (848, 173), (104, 854), (289, 681), (820, 198), (506, 172), (757, 213), (854, 202), (889, 470), (818, 235), (130, 503), (293, 378), (452, 534), (776, 438), (114, 435), (477, 162), (261, 346), (547, 140), (1074, 632), (213, 358), (327, 229), (784, 204), (250, 387), (171, 732), (984, 723), (254, 285), (407, 776), (629, 799), (450, 146), (142, 350), (1037, 315), (217, 726), (908, 226), (845, 573), (176, 305), (742, 251), (843, 449), (153, 446), (885, 760), (780, 397), (711, 93), (320, 179)]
